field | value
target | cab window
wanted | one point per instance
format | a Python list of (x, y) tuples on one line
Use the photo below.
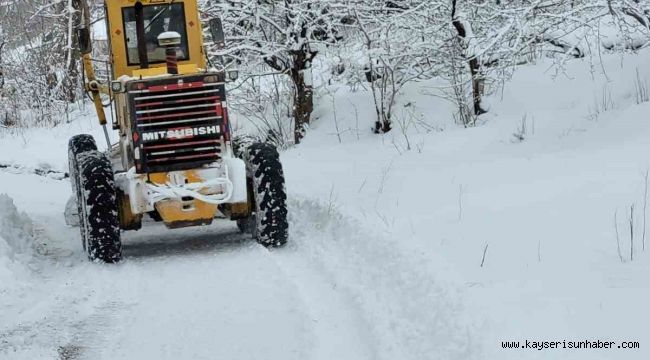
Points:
[(156, 20)]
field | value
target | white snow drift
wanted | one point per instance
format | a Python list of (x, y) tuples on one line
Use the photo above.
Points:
[(16, 243)]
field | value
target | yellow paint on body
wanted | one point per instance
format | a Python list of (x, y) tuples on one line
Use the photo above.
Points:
[(177, 213), (157, 71)]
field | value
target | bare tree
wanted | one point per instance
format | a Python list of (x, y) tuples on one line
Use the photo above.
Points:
[(39, 63), (395, 40), (463, 34), (285, 36)]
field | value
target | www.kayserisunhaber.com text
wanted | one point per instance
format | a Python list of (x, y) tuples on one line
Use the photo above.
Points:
[(566, 344)]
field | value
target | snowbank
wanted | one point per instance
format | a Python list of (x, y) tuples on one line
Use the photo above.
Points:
[(16, 242), (45, 149), (526, 210)]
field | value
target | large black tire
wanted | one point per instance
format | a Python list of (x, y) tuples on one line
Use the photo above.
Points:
[(78, 144), (269, 224), (99, 219), (240, 145)]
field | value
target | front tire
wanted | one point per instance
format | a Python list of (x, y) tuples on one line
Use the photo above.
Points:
[(99, 218), (269, 224), (78, 144)]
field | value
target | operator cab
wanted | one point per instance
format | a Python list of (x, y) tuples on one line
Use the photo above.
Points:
[(134, 27), (153, 20)]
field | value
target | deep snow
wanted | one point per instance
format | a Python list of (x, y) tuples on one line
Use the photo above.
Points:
[(544, 207), (16, 245), (386, 243)]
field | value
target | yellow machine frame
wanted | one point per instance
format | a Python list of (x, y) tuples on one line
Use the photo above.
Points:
[(173, 212), (197, 59)]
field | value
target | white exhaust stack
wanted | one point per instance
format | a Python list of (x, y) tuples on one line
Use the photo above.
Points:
[(170, 40)]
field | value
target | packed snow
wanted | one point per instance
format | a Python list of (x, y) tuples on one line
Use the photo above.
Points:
[(16, 244), (429, 242)]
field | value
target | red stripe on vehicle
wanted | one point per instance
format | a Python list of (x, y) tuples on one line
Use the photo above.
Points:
[(181, 86), (177, 115), (225, 125), (149, 104), (167, 146), (179, 101), (188, 157)]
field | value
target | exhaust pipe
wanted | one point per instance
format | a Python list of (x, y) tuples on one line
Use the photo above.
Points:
[(170, 40)]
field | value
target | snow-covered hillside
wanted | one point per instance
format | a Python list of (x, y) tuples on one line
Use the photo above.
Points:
[(429, 242)]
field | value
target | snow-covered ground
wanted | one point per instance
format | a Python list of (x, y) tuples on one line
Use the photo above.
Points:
[(471, 238)]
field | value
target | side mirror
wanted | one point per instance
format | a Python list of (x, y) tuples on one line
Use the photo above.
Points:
[(216, 30), (83, 40)]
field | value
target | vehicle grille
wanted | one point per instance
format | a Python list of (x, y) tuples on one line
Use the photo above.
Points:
[(177, 124)]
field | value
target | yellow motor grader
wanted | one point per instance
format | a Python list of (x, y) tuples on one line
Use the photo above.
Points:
[(174, 161)]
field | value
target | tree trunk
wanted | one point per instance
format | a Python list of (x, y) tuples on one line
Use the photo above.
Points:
[(303, 105), (2, 77), (297, 68), (303, 102), (67, 82), (474, 65), (476, 86), (73, 79)]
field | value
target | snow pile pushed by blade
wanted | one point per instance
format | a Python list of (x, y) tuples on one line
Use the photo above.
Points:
[(16, 241)]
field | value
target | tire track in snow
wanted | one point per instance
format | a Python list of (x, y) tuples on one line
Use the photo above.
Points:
[(200, 294), (66, 319), (409, 313), (89, 335), (203, 294), (340, 332)]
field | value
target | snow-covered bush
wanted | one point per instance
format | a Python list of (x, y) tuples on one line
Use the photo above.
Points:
[(397, 50), (38, 61), (278, 37), (266, 103)]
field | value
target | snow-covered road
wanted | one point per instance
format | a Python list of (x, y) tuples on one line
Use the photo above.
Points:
[(207, 293), (200, 294)]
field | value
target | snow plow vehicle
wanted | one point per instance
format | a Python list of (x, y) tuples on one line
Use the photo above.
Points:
[(174, 161)]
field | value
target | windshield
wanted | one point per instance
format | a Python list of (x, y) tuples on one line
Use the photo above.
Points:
[(157, 19)]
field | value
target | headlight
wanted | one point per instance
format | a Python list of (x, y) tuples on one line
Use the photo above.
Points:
[(117, 87), (210, 79)]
